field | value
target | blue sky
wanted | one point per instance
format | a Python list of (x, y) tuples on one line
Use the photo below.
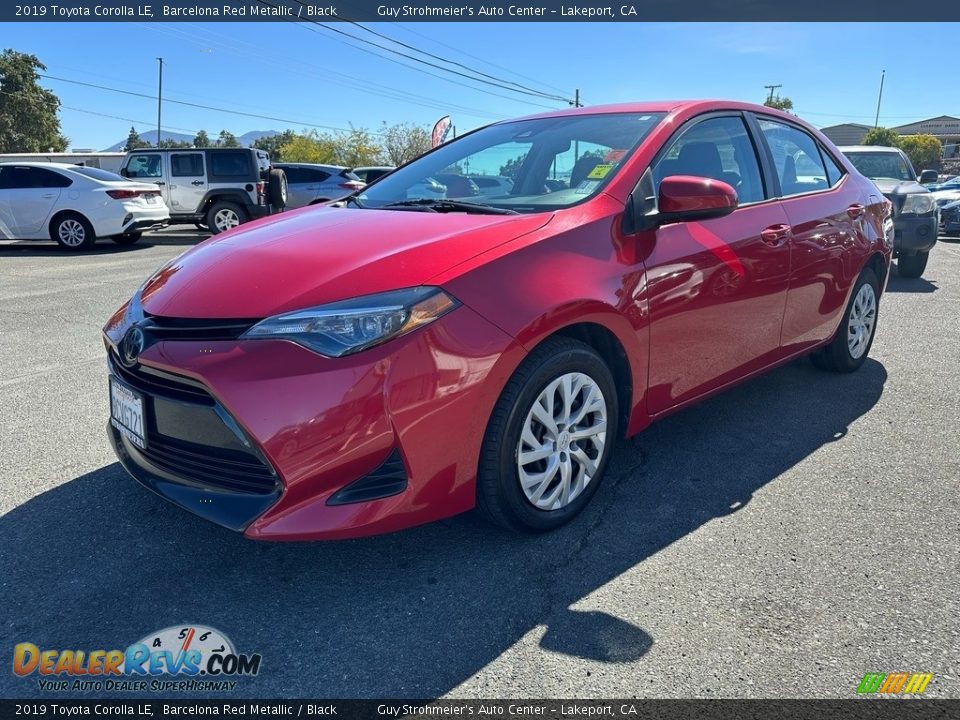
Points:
[(310, 75)]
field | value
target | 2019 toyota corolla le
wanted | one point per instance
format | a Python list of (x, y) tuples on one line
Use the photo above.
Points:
[(336, 372)]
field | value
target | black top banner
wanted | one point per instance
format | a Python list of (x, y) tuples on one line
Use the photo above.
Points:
[(485, 11)]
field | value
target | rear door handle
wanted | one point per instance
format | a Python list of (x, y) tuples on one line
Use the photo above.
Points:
[(856, 210), (49, 195), (197, 182), (776, 235)]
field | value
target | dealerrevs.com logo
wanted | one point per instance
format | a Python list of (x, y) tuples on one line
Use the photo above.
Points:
[(175, 659)]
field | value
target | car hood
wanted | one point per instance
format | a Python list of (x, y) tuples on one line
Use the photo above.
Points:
[(891, 188), (318, 255)]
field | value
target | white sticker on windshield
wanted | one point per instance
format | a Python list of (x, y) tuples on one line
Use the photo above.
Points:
[(586, 187)]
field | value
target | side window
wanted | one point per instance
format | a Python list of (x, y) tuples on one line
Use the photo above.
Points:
[(230, 164), (717, 148), (834, 171), (144, 166), (43, 178), (796, 158), (295, 175), (316, 176), (186, 165)]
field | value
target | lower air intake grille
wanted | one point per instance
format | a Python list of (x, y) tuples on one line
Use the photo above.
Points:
[(388, 479)]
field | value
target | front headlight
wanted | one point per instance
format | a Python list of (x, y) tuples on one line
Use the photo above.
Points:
[(349, 326), (918, 204)]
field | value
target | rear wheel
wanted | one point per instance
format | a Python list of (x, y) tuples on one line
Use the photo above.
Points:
[(549, 439), (849, 348), (72, 231), (225, 215), (912, 266), (127, 239)]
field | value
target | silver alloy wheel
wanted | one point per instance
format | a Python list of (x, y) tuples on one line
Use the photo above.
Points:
[(562, 441), (226, 219), (72, 233), (863, 315)]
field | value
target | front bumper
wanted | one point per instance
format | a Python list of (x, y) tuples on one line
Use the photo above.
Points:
[(914, 234), (369, 443)]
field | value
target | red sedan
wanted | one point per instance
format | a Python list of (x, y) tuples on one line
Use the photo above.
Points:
[(336, 372)]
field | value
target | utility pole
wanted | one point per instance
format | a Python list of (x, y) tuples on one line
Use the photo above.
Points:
[(159, 96), (771, 88), (576, 98), (876, 122), (576, 143)]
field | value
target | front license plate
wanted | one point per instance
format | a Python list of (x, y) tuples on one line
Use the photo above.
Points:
[(126, 413)]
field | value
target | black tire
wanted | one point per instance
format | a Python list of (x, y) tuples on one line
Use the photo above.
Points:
[(912, 266), (277, 189), (836, 357), (224, 209), (72, 231), (500, 497), (127, 239)]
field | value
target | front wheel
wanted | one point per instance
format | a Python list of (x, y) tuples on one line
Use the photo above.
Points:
[(912, 266), (849, 348), (73, 231), (549, 439)]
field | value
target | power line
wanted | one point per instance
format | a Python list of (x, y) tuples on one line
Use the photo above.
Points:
[(425, 62)]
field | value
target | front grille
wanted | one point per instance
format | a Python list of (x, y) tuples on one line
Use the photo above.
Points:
[(213, 467), (157, 382), (198, 329)]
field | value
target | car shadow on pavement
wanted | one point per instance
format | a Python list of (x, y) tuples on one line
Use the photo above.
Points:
[(99, 562), (898, 283)]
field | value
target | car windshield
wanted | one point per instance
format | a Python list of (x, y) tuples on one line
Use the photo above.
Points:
[(553, 163), (98, 174), (881, 165)]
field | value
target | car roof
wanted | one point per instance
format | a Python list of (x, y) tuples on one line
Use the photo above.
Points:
[(40, 164), (375, 167), (310, 165), (868, 148), (704, 105)]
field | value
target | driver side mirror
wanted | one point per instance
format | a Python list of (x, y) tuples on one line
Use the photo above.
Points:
[(928, 176), (684, 198)]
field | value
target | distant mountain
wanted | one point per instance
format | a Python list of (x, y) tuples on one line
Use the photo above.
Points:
[(150, 136)]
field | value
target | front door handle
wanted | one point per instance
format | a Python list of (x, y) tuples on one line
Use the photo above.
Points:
[(49, 195), (197, 182), (776, 235), (159, 182), (856, 210)]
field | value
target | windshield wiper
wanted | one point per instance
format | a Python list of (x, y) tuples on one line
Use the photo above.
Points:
[(439, 205)]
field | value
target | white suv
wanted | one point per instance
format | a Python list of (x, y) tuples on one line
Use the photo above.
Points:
[(215, 188)]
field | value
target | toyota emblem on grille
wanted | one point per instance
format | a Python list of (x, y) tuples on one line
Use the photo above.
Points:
[(132, 345)]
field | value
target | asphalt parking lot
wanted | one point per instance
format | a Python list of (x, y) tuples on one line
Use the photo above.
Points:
[(780, 540)]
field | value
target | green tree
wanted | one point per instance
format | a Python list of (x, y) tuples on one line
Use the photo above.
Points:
[(311, 147), (512, 166), (201, 139), (780, 103), (403, 142), (356, 148), (924, 151), (273, 144), (175, 144), (28, 112), (881, 136), (134, 141), (227, 139)]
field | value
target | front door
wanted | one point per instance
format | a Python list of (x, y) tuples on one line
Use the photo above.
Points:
[(148, 167), (188, 182), (716, 287)]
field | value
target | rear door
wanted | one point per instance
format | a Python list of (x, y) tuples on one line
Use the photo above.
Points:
[(716, 287), (188, 182), (29, 197), (302, 185), (825, 214)]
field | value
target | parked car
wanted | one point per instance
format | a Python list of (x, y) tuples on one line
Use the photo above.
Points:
[(215, 188), (950, 219), (75, 205), (915, 218), (402, 359), (457, 186), (427, 188), (492, 185), (310, 183), (369, 174)]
